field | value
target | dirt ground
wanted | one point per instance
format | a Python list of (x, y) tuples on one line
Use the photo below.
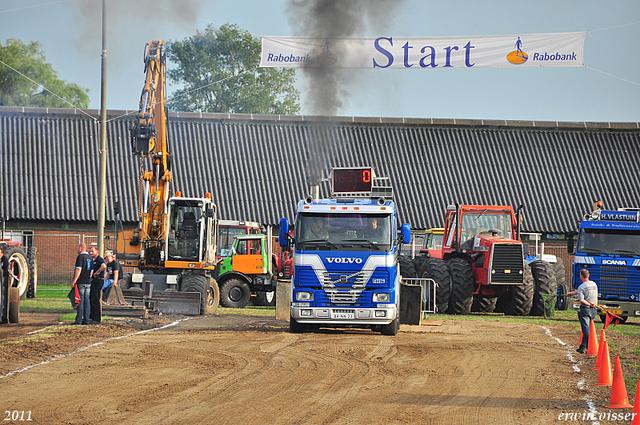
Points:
[(234, 369)]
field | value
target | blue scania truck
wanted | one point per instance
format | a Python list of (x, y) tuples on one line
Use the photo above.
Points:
[(608, 245), (345, 262)]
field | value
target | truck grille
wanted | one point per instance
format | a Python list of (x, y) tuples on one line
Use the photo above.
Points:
[(613, 280), (507, 265)]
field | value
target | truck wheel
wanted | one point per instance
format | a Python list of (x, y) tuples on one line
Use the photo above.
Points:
[(484, 304), (436, 269), (522, 296), (544, 279), (196, 283), (14, 305), (265, 298), (18, 268), (234, 294), (391, 329), (295, 327), (32, 289), (213, 296), (462, 285), (562, 301)]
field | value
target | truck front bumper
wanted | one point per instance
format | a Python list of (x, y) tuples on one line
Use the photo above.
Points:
[(345, 315), (619, 308)]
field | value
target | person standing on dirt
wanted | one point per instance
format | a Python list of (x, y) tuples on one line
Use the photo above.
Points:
[(4, 286), (114, 273), (82, 278), (588, 297), (98, 266)]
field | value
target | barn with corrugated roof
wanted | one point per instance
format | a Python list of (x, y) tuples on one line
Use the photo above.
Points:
[(258, 166)]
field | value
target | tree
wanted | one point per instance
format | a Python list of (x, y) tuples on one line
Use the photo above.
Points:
[(219, 71), (29, 59)]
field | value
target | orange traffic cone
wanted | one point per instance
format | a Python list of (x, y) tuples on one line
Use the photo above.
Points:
[(635, 416), (592, 349), (604, 377), (619, 397), (603, 338)]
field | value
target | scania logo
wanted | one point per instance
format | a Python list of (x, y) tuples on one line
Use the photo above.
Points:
[(615, 262), (342, 260)]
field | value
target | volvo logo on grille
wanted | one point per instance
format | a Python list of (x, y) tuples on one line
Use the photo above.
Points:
[(343, 278), (344, 260)]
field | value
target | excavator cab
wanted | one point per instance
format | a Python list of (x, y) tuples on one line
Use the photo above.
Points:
[(191, 229)]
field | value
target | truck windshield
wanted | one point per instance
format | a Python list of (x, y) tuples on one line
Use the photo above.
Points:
[(474, 224), (350, 232), (600, 241)]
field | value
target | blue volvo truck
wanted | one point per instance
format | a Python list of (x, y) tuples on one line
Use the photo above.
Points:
[(608, 245), (345, 262)]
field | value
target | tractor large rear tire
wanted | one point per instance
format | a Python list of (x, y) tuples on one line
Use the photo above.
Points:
[(436, 269), (462, 286), (544, 279), (196, 283), (213, 296), (14, 305), (18, 268), (234, 293), (407, 269), (483, 304), (522, 296), (32, 289)]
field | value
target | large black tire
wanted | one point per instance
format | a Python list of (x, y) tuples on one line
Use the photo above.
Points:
[(18, 268), (392, 328), (234, 293), (196, 283), (14, 305), (544, 279), (436, 269), (558, 269), (263, 298), (407, 269), (462, 286), (295, 327), (522, 296), (213, 296), (483, 304), (32, 289)]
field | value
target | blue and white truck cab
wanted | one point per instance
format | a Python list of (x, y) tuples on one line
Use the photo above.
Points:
[(608, 245), (345, 263)]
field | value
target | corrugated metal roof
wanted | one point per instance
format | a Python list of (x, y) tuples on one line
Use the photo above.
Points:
[(257, 166)]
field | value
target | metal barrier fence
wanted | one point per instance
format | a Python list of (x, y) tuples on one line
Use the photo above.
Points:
[(428, 304)]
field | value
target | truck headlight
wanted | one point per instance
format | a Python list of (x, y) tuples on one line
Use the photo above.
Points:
[(381, 298), (304, 296)]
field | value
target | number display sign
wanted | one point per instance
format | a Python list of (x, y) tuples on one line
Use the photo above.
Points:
[(352, 180)]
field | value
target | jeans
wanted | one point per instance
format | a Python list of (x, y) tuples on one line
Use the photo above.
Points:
[(586, 315), (84, 308), (96, 298), (107, 283)]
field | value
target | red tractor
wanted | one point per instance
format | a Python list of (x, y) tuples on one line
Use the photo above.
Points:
[(481, 265)]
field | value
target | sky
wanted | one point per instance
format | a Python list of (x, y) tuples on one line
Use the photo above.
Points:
[(607, 89)]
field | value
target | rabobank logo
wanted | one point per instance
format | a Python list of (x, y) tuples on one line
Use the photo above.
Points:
[(327, 58), (518, 56)]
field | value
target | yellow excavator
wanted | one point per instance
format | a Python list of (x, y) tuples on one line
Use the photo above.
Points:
[(174, 246)]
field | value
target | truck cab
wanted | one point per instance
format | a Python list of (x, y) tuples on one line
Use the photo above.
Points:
[(345, 262), (608, 246)]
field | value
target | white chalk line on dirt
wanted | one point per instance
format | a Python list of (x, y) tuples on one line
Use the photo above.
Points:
[(574, 363), (44, 329), (115, 338)]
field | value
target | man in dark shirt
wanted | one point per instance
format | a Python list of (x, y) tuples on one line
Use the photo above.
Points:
[(82, 278), (98, 266), (4, 287)]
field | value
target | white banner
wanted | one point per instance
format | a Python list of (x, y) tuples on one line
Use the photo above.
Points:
[(499, 51)]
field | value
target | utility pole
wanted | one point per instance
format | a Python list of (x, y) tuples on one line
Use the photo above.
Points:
[(102, 190)]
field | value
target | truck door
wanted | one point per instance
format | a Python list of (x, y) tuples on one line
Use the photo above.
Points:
[(248, 258)]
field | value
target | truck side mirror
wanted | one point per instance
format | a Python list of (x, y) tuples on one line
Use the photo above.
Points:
[(210, 213), (283, 231), (570, 245), (406, 233)]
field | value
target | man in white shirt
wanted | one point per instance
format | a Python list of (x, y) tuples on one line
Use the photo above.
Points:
[(588, 297)]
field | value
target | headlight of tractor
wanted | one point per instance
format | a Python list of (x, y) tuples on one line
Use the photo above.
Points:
[(381, 298), (304, 296)]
